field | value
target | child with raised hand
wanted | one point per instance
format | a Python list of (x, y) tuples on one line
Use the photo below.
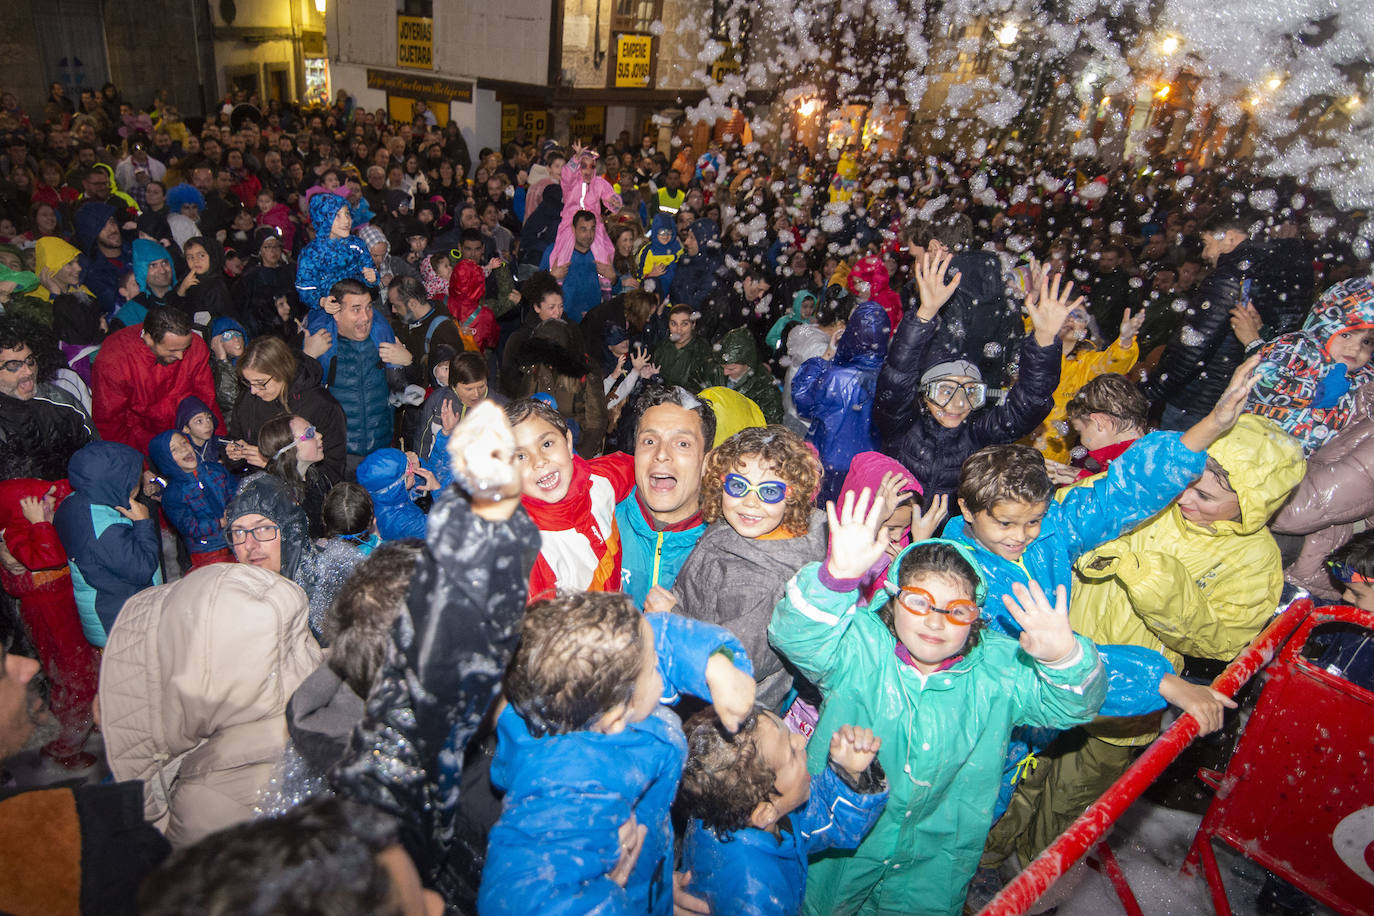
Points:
[(590, 759), (755, 812), (928, 416), (757, 493), (195, 496), (941, 691)]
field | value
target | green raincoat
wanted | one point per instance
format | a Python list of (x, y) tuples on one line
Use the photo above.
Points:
[(944, 747), (737, 346)]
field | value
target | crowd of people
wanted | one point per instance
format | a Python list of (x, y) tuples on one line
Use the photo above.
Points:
[(632, 527)]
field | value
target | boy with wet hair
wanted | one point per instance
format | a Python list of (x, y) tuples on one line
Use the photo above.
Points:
[(1108, 414), (754, 810), (590, 760)]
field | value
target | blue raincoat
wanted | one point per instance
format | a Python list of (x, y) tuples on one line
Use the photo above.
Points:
[(568, 794), (837, 395), (383, 475), (754, 873)]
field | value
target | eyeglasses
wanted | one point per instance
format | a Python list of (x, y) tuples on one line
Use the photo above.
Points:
[(14, 365), (941, 391), (261, 534), (257, 386), (770, 491), (308, 434), (960, 612)]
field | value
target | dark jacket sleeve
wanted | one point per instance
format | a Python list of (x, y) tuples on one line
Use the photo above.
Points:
[(1028, 402), (448, 649), (1197, 341), (896, 403)]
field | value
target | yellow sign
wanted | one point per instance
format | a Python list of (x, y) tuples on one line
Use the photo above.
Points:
[(536, 124), (510, 119), (415, 42), (587, 123), (633, 59), (726, 63)]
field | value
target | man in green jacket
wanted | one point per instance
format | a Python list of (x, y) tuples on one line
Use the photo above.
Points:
[(739, 363)]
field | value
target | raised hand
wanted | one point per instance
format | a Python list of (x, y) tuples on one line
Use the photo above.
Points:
[(395, 353), (448, 417), (925, 524), (1039, 270), (857, 537), (1051, 308), (853, 748), (1232, 401), (1130, 326), (318, 343), (639, 360), (732, 692), (1045, 632), (890, 495), (930, 282)]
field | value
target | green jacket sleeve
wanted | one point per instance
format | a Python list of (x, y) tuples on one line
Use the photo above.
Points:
[(1061, 696), (813, 626)]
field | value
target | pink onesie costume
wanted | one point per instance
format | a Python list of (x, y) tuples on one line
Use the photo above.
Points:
[(582, 195)]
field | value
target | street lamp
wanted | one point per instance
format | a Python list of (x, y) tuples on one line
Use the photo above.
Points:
[(1007, 34)]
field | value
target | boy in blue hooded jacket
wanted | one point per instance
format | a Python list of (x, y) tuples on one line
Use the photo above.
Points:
[(390, 476), (195, 497), (658, 259), (112, 542), (590, 760)]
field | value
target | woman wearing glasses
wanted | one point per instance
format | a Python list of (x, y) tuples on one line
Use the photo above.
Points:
[(294, 449), (928, 417), (276, 381)]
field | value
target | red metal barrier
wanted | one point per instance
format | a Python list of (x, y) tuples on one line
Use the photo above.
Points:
[(1085, 833)]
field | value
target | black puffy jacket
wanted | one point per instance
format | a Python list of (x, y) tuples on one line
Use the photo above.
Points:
[(40, 435), (1203, 353), (934, 453)]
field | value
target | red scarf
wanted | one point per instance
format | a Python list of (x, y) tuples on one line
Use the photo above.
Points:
[(574, 512)]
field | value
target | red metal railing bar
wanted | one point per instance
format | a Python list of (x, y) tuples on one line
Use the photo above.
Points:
[(1092, 825)]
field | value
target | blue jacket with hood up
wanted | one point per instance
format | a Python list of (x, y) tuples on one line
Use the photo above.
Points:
[(110, 556), (99, 273), (193, 500), (383, 475), (568, 794), (837, 395)]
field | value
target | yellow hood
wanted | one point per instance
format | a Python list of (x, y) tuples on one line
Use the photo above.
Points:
[(1264, 464), (50, 255)]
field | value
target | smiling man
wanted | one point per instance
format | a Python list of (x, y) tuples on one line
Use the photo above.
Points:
[(660, 521), (41, 425)]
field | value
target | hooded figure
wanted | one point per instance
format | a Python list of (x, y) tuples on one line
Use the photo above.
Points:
[(259, 287), (383, 475), (99, 272), (326, 260), (183, 227), (662, 251), (193, 500), (111, 555), (208, 298), (584, 195), (551, 362), (733, 411), (867, 471), (190, 407), (1304, 388), (1187, 588), (756, 384), (467, 286), (193, 693), (777, 334), (869, 281), (837, 395), (50, 255), (145, 254), (697, 275)]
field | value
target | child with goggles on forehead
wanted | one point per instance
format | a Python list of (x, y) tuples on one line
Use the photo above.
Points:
[(757, 493), (918, 667), (932, 432)]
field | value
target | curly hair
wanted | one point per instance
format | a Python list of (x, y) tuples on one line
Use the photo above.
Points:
[(579, 657), (780, 450), (358, 624), (725, 777), (1114, 395)]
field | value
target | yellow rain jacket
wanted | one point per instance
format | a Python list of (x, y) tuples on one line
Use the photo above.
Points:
[(1177, 587), (733, 410), (1053, 436)]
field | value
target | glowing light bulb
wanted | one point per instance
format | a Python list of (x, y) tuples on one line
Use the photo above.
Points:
[(1274, 83), (1163, 92), (1170, 45), (1007, 33)]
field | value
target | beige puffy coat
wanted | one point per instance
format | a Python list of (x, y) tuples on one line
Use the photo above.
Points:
[(193, 691)]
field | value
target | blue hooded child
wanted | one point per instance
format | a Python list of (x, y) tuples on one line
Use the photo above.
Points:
[(326, 261), (112, 549), (662, 252), (196, 494), (383, 475)]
